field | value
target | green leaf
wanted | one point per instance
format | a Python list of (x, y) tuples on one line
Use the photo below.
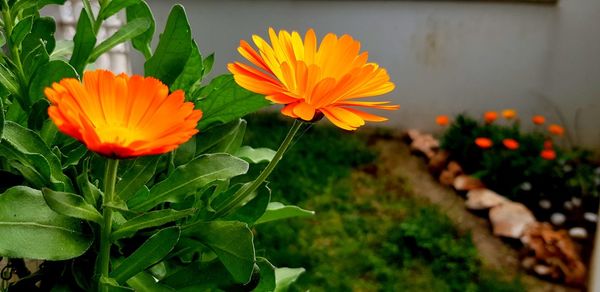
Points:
[(145, 282), (136, 176), (222, 138), (28, 148), (8, 80), (212, 276), (150, 219), (192, 72), (37, 57), (185, 152), (207, 64), (190, 177), (83, 42), (30, 229), (125, 33), (279, 211), (284, 277), (43, 29), (231, 241), (255, 155), (254, 208), (142, 41), (51, 72), (115, 6), (21, 30), (173, 48), (223, 101), (1, 118), (63, 49), (151, 252), (111, 285), (267, 276), (71, 205), (91, 193)]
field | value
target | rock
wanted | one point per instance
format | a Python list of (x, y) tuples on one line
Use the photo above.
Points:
[(591, 217), (576, 201), (542, 270), (578, 232), (526, 186), (480, 199), (545, 204), (425, 144), (568, 205), (438, 162), (554, 252), (446, 178), (510, 219), (455, 168), (558, 219), (467, 183), (413, 134), (528, 262)]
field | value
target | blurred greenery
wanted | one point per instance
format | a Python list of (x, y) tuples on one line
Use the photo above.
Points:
[(369, 233)]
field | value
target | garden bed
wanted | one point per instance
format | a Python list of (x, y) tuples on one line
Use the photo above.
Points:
[(540, 196)]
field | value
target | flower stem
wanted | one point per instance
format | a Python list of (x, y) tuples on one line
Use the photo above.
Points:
[(245, 191), (110, 179)]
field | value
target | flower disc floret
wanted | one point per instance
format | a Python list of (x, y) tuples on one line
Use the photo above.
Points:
[(121, 116)]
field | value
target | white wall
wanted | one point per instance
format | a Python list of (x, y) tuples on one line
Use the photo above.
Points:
[(445, 57)]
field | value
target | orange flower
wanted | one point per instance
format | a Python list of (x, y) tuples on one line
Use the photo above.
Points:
[(548, 154), (511, 144), (442, 120), (538, 120), (509, 114), (555, 129), (312, 80), (122, 116), (548, 144), (490, 117), (483, 142)]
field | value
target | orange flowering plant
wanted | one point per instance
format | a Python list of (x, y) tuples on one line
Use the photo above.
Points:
[(131, 182), (525, 166)]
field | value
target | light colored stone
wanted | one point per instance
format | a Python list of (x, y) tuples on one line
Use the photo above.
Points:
[(413, 134), (576, 201), (542, 270), (438, 162), (480, 199), (526, 186), (426, 144), (578, 232), (467, 183), (591, 217), (568, 205), (455, 168), (510, 219), (545, 204), (558, 219), (446, 178)]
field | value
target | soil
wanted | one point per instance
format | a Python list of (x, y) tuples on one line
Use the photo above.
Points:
[(396, 161)]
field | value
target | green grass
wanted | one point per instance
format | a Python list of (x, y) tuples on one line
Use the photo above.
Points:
[(369, 233)]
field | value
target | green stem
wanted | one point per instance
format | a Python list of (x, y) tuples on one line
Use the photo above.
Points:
[(14, 51), (245, 191), (110, 179)]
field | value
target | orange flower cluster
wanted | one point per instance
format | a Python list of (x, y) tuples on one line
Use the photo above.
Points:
[(538, 120), (555, 129), (484, 143), (548, 152), (510, 144), (490, 116), (313, 80), (442, 120), (122, 116), (509, 114)]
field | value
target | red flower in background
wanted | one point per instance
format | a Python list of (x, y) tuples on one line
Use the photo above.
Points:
[(484, 143), (511, 144), (490, 117), (548, 154), (557, 130), (442, 120), (509, 114), (548, 144), (538, 120)]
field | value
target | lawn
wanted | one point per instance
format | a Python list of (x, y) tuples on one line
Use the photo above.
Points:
[(369, 233)]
